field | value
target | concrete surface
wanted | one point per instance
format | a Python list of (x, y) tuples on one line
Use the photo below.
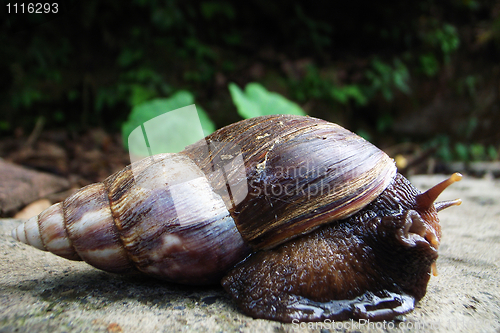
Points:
[(40, 292)]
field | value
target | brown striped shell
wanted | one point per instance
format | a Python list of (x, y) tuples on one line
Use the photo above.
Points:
[(174, 216), (301, 172)]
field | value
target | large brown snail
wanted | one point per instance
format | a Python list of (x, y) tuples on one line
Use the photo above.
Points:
[(300, 218)]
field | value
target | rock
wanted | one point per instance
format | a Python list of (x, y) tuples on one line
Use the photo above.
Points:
[(34, 208), (20, 186), (42, 292)]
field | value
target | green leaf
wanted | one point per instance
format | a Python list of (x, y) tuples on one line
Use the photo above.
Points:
[(364, 134), (128, 56), (444, 151), (462, 151), (477, 152), (4, 125), (207, 124), (140, 94), (165, 125), (343, 94), (429, 64), (257, 101), (492, 153)]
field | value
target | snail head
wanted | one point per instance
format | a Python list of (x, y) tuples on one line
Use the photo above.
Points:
[(427, 207), (428, 225)]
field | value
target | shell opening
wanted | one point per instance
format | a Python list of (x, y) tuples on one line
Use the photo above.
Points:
[(426, 199)]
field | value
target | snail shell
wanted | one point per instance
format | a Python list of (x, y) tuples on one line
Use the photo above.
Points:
[(282, 188)]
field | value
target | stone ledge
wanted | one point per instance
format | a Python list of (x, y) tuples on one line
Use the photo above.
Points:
[(42, 292)]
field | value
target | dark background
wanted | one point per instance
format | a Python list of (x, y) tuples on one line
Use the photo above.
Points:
[(418, 78)]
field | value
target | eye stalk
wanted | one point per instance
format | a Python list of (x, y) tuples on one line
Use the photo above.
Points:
[(425, 202), (445, 204), (426, 199)]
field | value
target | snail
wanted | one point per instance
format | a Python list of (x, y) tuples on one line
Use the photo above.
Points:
[(298, 218)]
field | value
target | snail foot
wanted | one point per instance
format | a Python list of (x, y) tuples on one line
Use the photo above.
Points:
[(384, 305)]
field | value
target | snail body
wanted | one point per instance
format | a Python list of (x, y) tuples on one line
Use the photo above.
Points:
[(285, 208)]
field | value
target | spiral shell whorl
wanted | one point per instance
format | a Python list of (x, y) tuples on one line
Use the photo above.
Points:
[(159, 216), (92, 231), (171, 222), (47, 232), (29, 233), (79, 228)]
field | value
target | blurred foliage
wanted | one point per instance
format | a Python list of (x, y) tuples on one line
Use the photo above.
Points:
[(257, 101), (314, 85), (93, 62), (158, 130), (388, 79), (465, 152), (153, 109), (380, 77)]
